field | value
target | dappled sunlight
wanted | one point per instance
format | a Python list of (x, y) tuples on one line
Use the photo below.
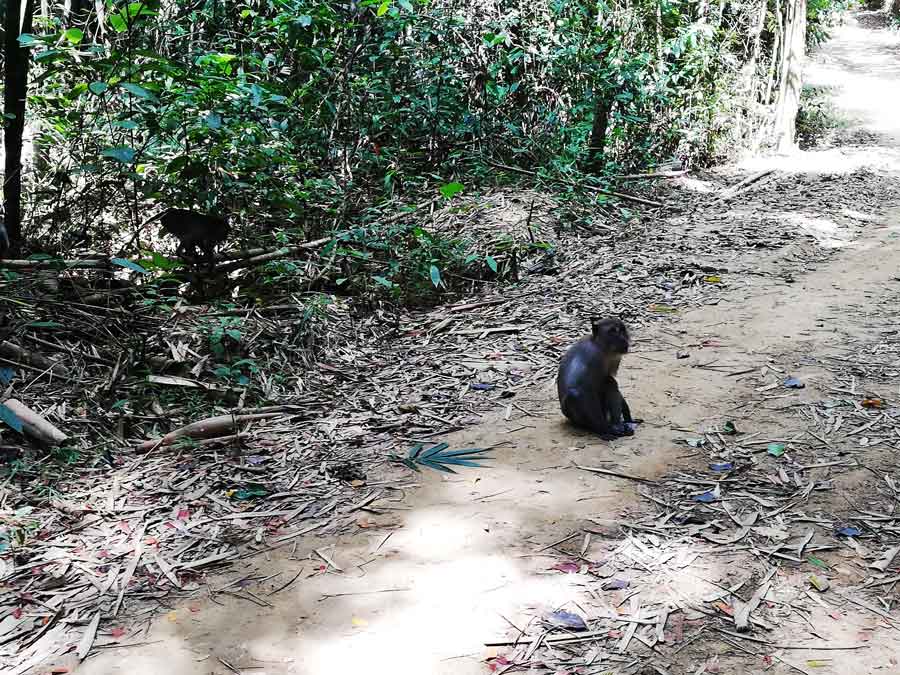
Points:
[(860, 69), (478, 599), (827, 233), (836, 161)]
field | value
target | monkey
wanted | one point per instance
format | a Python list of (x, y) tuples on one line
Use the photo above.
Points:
[(589, 395), (196, 232)]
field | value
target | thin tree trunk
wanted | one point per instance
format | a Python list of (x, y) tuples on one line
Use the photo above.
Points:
[(18, 20), (794, 53), (602, 111)]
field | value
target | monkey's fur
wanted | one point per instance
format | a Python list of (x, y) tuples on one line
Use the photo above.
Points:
[(589, 395), (195, 232)]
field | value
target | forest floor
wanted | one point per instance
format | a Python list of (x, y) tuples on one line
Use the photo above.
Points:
[(722, 528)]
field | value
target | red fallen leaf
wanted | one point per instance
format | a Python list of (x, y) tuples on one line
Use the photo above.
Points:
[(194, 608), (497, 661), (768, 660), (615, 634), (103, 553), (872, 403), (724, 608), (835, 615), (151, 541), (17, 613), (863, 637), (183, 515), (117, 632), (59, 670), (567, 567), (124, 526), (169, 525)]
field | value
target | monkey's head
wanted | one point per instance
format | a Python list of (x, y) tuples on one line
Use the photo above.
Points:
[(612, 334)]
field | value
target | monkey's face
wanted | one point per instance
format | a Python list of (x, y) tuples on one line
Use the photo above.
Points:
[(612, 334)]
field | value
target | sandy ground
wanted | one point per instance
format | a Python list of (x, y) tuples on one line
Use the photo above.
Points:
[(459, 560)]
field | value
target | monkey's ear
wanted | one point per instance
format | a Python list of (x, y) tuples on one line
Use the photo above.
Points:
[(595, 325)]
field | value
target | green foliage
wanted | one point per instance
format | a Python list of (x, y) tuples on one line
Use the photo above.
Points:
[(303, 118), (224, 336), (406, 261), (818, 116)]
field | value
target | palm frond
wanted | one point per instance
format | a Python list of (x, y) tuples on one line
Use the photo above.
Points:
[(437, 457)]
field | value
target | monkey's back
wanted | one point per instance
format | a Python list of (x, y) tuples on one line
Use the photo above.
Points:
[(577, 369), (192, 227)]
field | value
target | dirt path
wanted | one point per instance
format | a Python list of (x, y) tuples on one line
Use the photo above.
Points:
[(470, 557)]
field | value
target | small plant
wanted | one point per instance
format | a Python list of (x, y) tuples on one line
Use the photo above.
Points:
[(239, 372), (225, 336), (436, 458)]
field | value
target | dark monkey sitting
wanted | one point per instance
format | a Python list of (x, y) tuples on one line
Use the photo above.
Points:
[(589, 395)]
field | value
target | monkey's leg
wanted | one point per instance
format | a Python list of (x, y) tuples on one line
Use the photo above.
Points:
[(615, 410), (208, 249), (586, 411)]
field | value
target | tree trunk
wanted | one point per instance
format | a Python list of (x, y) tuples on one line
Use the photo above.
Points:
[(602, 111), (18, 19), (791, 82)]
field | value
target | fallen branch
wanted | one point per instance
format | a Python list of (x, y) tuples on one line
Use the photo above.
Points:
[(210, 427), (615, 474), (611, 193), (34, 425)]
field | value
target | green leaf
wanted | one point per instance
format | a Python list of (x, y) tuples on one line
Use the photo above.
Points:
[(98, 87), (127, 264), (405, 4), (383, 8), (775, 449), (435, 276), (213, 121), (818, 562), (137, 90), (304, 20), (451, 189), (140, 9), (387, 283), (44, 324), (74, 35), (26, 39), (121, 154), (117, 21), (491, 263)]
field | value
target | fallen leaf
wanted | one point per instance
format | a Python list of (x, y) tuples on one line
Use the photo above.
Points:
[(775, 449), (565, 619)]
